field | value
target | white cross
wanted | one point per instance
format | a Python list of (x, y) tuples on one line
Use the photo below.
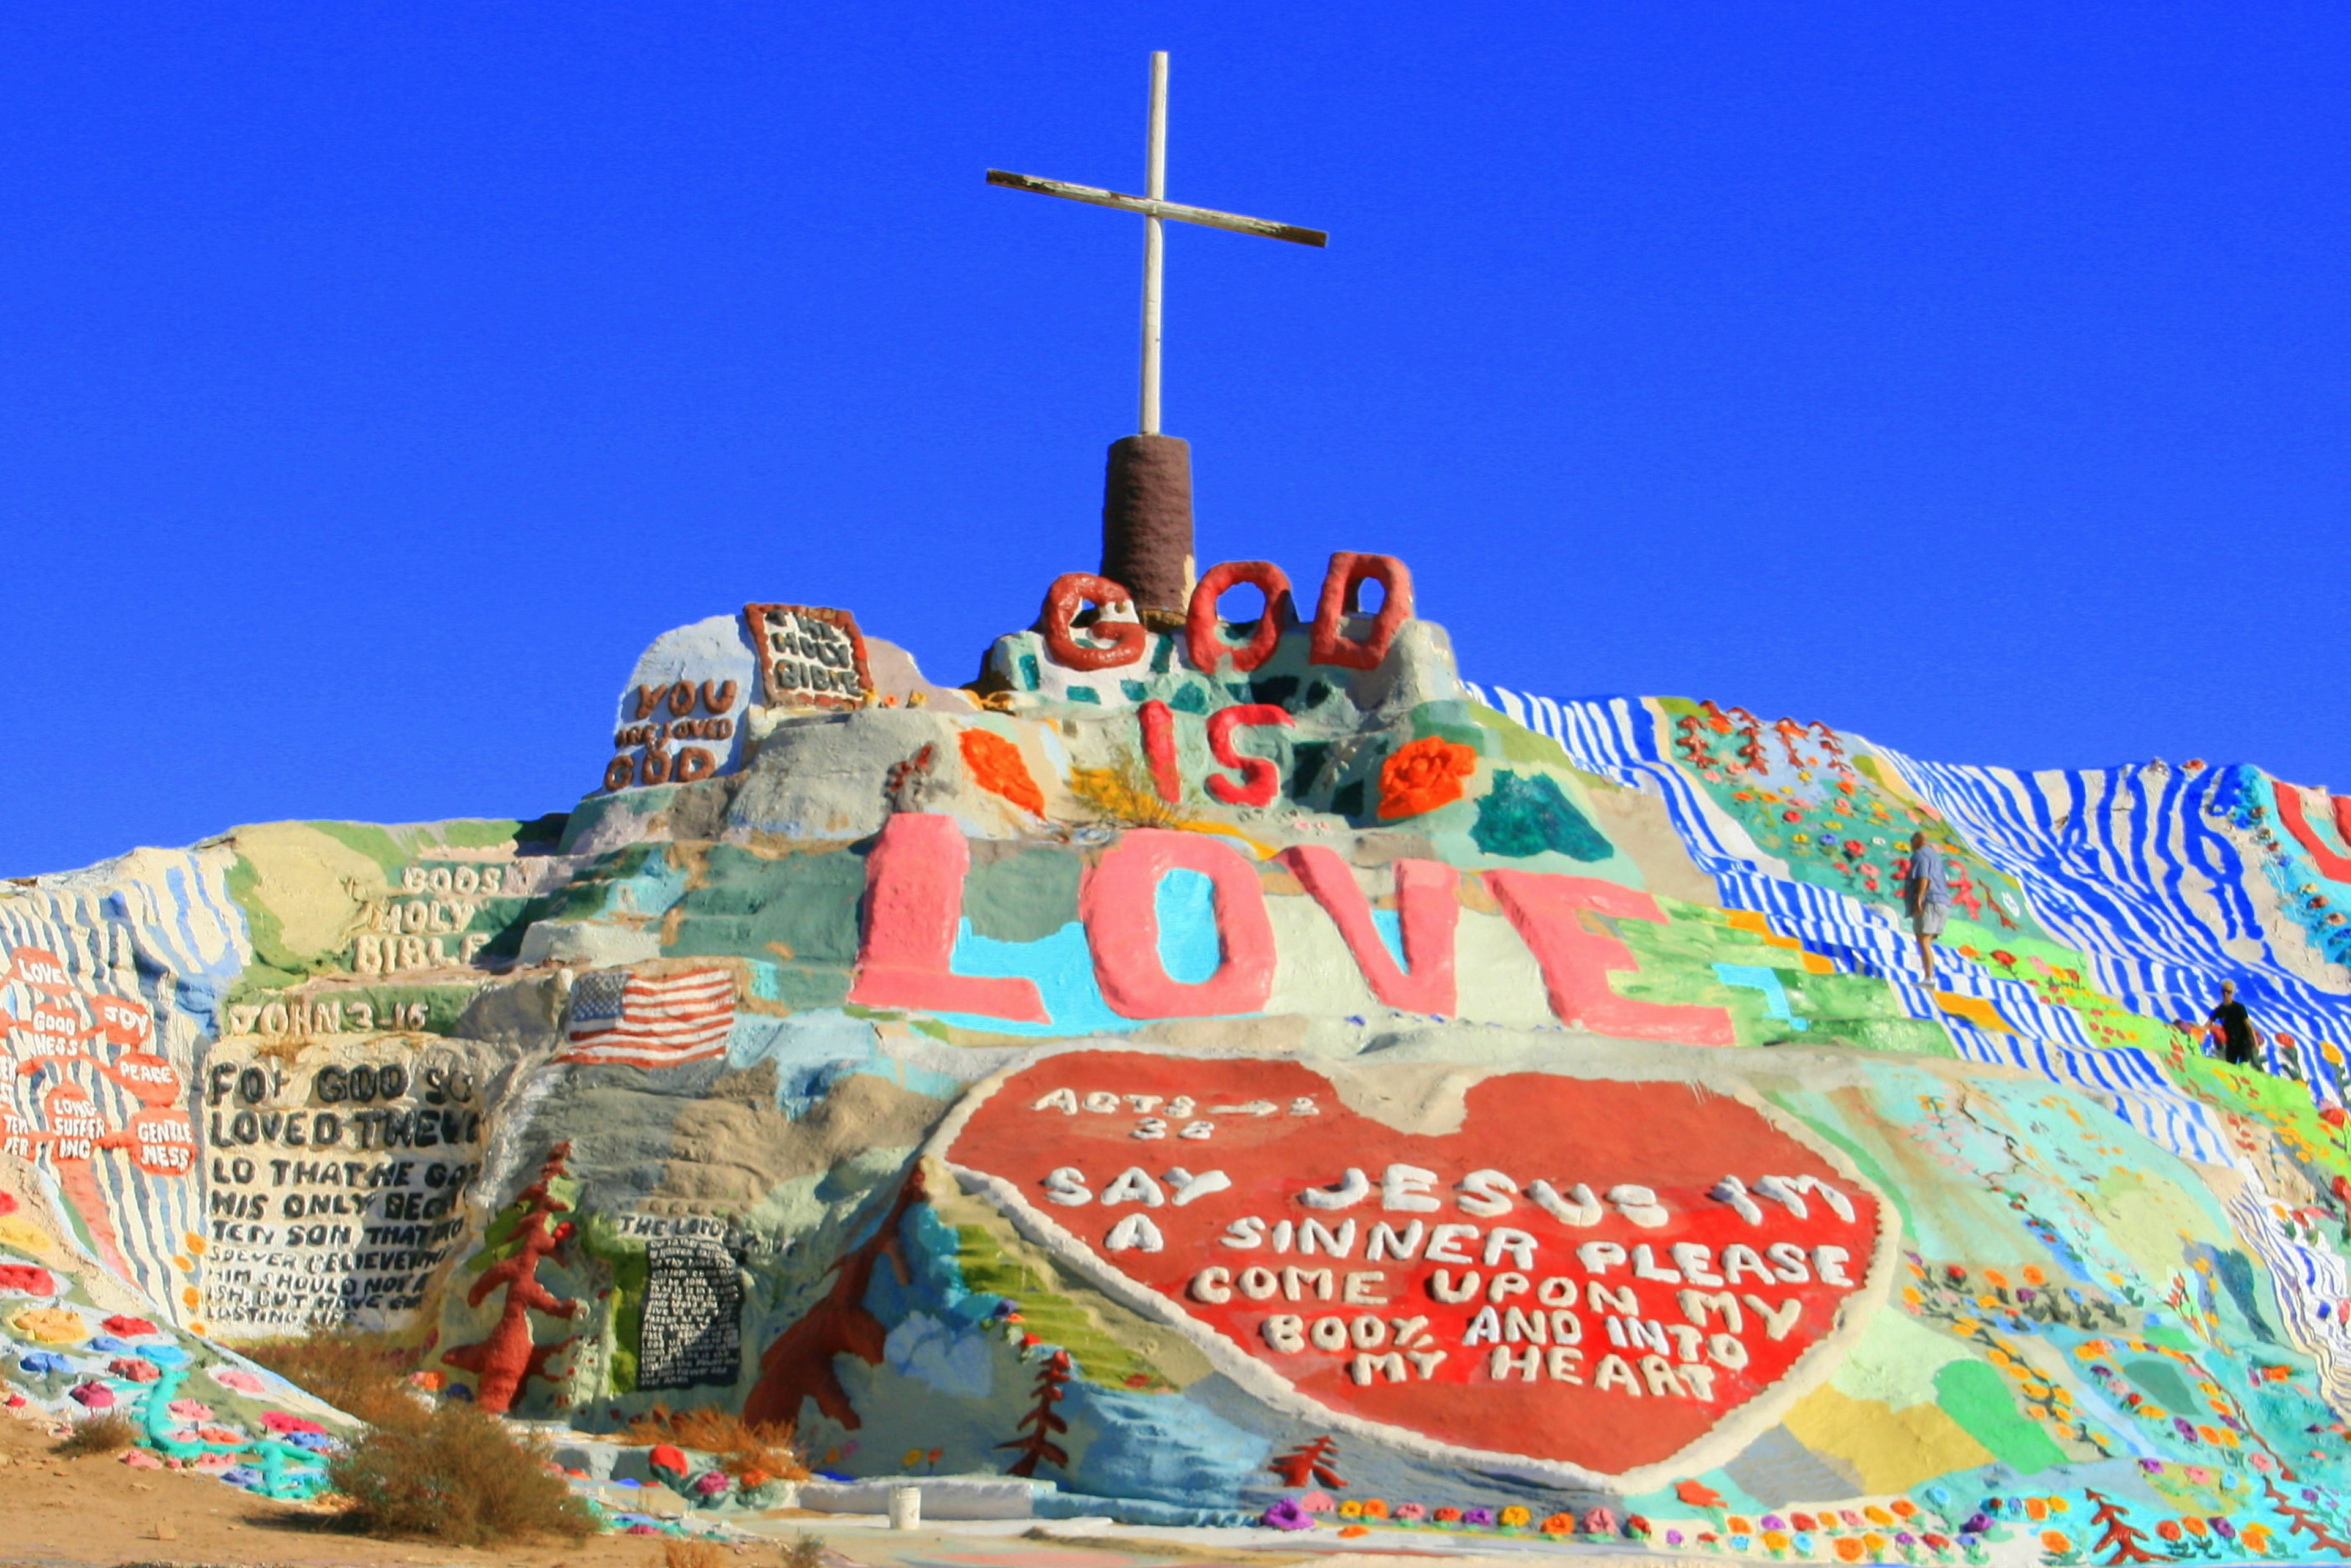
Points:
[(1153, 207)]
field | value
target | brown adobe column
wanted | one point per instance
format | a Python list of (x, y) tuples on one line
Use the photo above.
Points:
[(1147, 522)]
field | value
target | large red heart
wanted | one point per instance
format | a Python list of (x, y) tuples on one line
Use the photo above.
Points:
[(1637, 1310)]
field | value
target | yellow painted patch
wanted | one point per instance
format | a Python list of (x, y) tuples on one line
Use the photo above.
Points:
[(25, 1237), (1756, 921), (1891, 1450), (308, 879), (1975, 1009)]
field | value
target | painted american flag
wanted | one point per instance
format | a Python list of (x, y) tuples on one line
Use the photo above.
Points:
[(623, 1019)]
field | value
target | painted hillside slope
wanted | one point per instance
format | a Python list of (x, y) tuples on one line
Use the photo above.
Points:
[(1219, 1068)]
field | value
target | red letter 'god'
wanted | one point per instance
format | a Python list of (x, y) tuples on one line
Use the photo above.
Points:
[(1117, 641), (1342, 596), (1204, 634)]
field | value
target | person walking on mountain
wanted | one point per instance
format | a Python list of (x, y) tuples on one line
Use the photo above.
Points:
[(1926, 898), (2238, 1043)]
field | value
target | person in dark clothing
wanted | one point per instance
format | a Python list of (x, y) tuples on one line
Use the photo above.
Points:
[(2236, 1027)]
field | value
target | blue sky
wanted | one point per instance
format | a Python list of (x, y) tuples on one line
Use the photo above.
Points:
[(376, 381)]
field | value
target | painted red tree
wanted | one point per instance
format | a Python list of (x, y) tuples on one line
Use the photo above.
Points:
[(798, 1365), (508, 1358), (1311, 1462), (2301, 1521), (1037, 1444), (2120, 1534)]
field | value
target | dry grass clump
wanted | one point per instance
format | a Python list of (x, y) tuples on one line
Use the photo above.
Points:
[(1124, 795), (94, 1436), (456, 1475), (751, 1454), (805, 1551), (691, 1554), (363, 1375)]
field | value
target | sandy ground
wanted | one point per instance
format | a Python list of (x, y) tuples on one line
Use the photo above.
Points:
[(102, 1513)]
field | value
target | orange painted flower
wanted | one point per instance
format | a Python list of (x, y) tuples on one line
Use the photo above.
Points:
[(996, 767), (1698, 1494), (1423, 775)]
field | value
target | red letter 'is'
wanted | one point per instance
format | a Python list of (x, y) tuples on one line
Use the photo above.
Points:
[(1260, 776)]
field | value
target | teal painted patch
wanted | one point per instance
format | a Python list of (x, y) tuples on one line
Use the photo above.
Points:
[(1524, 815), (1187, 906), (1023, 897), (1757, 978), (1063, 965), (799, 909)]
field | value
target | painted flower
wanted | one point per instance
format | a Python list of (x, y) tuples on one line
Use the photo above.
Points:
[(1411, 1513), (1599, 1521), (1478, 1516), (1637, 1526), (1375, 1508), (1558, 1524), (1848, 1549), (1317, 1503), (996, 766), (1698, 1494), (2168, 1529), (1515, 1517), (1422, 775), (50, 1325), (1448, 1515), (1351, 1509), (1284, 1514)]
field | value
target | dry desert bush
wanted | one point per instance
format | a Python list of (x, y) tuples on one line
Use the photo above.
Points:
[(455, 1475), (98, 1435), (362, 1375), (751, 1454), (691, 1554), (448, 1473)]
